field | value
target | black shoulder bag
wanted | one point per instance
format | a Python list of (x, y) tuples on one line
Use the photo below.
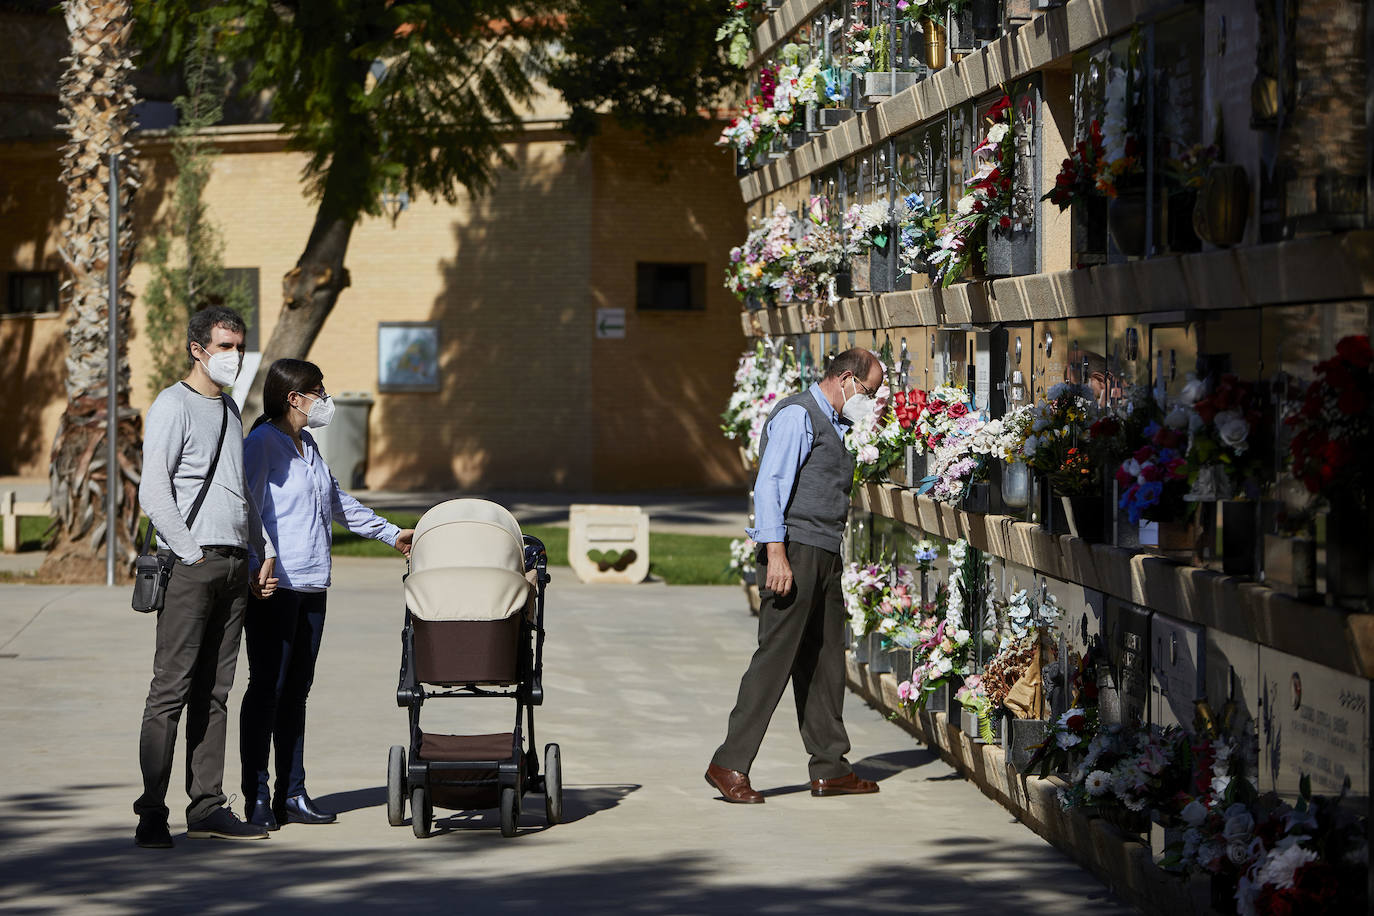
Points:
[(153, 568)]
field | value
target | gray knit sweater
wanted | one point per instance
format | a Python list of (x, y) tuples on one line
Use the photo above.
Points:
[(180, 434)]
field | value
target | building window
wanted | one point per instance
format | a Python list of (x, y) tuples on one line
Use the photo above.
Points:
[(32, 292), (670, 287), (247, 279)]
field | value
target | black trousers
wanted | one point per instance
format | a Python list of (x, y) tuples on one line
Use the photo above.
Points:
[(283, 633), (198, 633), (801, 638)]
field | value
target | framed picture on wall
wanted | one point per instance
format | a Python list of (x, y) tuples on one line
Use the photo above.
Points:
[(408, 356)]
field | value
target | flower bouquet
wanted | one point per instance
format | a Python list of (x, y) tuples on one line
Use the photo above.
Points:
[(962, 244), (918, 231), (743, 559), (867, 230), (737, 32), (1334, 430), (1154, 479), (1223, 461), (765, 376), (759, 269), (877, 441), (942, 644)]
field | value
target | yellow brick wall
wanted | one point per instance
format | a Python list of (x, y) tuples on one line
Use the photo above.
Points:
[(529, 398)]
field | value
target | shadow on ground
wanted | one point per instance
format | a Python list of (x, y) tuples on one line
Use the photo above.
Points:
[(103, 869)]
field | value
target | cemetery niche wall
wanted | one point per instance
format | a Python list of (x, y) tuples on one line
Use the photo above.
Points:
[(1117, 266)]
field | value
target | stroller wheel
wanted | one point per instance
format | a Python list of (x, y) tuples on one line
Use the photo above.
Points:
[(396, 786), (509, 812), (421, 812), (553, 784)]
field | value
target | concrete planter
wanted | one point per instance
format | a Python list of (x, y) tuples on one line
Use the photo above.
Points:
[(1011, 252), (879, 661), (886, 83), (1020, 737), (833, 117)]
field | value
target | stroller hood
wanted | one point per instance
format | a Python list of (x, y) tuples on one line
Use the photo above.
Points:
[(467, 562)]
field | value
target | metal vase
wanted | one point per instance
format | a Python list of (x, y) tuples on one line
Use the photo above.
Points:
[(1348, 566)]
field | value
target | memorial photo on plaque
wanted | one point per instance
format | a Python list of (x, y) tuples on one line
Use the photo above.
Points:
[(1127, 637)]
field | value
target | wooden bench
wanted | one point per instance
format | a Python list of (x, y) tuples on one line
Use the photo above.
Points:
[(11, 510)]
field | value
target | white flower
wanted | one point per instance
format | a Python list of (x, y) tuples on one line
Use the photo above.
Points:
[(1233, 430), (868, 454), (1194, 813), (1195, 389), (1282, 864), (997, 132), (1097, 783), (1067, 740), (1179, 417)]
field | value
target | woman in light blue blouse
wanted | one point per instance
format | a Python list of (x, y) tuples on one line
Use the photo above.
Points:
[(298, 498)]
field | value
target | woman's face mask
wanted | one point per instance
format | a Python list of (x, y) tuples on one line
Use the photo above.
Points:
[(320, 412)]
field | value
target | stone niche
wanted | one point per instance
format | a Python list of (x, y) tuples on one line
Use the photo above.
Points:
[(1126, 637)]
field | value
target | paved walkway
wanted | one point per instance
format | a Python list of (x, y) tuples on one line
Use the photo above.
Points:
[(639, 683)]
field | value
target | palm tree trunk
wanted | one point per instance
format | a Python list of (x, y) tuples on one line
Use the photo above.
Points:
[(97, 106)]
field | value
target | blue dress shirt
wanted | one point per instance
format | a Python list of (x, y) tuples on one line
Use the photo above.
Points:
[(789, 443), (298, 498)]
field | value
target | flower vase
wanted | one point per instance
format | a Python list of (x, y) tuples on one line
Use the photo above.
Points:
[(1011, 252), (952, 706), (861, 646), (1290, 565), (813, 120), (909, 471), (833, 117), (1126, 222), (961, 37), (901, 664), (856, 92), (885, 83), (797, 137), (1239, 536), (935, 39), (975, 498), (1079, 516), (844, 283), (1177, 540), (882, 267), (968, 724), (1348, 566), (879, 661), (1020, 737)]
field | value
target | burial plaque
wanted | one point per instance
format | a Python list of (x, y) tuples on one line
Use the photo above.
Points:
[(1126, 699), (1314, 721), (1232, 678), (1177, 666)]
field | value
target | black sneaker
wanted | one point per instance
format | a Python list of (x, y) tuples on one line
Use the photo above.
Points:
[(152, 833), (223, 824)]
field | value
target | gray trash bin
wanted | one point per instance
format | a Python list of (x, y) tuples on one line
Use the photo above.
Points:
[(343, 443)]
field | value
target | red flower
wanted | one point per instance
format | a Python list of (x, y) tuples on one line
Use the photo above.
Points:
[(1152, 472), (1355, 350), (1107, 426), (996, 111), (958, 410), (1005, 222), (1144, 453), (1076, 723)]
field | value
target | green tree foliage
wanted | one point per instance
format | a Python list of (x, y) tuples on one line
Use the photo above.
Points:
[(654, 67), (189, 237)]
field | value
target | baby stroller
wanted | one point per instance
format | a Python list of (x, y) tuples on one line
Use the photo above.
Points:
[(474, 628)]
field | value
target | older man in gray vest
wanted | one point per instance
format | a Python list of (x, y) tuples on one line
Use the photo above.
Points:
[(801, 502)]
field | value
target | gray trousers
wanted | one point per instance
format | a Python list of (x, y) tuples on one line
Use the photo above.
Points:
[(198, 633), (801, 638)]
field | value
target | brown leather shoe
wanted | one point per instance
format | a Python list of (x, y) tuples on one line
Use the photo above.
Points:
[(733, 785), (843, 785)]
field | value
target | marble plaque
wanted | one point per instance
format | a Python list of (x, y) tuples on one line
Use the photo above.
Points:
[(1313, 721), (1127, 638), (1177, 666)]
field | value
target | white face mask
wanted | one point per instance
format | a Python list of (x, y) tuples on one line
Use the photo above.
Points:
[(857, 406), (320, 412), (223, 368)]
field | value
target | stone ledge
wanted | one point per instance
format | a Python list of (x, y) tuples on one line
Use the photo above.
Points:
[(1121, 861), (1317, 269), (783, 21), (1336, 638)]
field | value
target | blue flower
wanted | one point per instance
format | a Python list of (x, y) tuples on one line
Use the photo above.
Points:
[(1151, 430)]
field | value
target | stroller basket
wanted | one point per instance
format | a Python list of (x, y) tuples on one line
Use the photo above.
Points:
[(474, 627)]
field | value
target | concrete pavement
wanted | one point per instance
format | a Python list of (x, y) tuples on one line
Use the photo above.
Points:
[(639, 683)]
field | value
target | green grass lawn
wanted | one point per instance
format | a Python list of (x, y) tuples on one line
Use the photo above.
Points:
[(678, 559)]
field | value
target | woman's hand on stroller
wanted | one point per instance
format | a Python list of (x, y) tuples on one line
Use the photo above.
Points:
[(404, 539)]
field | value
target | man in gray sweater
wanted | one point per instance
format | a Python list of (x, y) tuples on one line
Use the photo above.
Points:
[(801, 504), (199, 626)]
